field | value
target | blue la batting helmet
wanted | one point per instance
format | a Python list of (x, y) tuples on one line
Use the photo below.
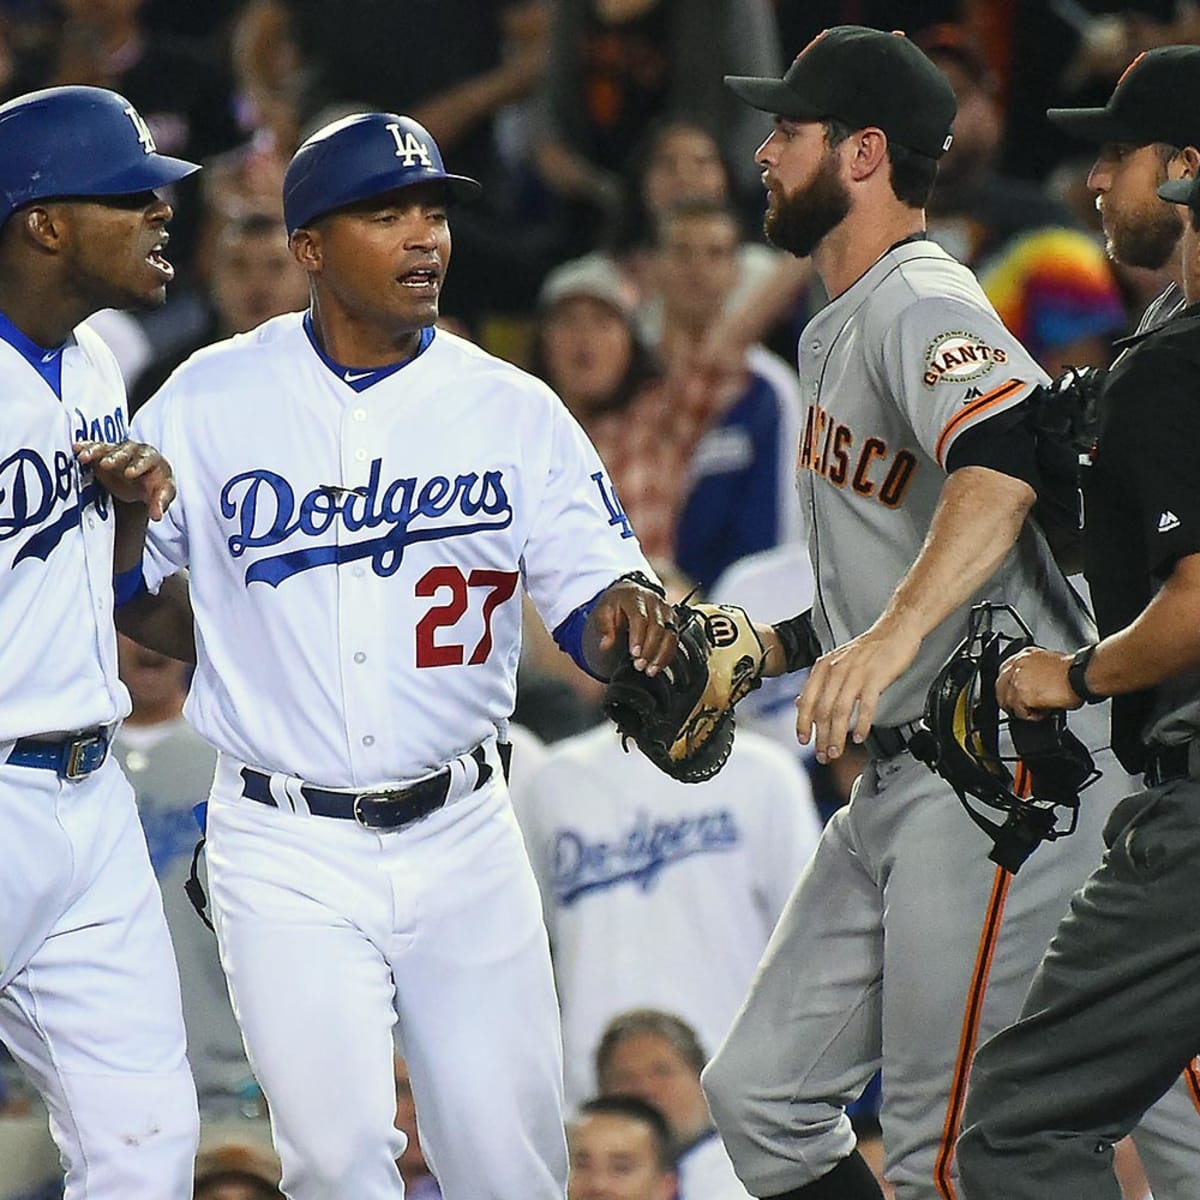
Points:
[(78, 141), (361, 156)]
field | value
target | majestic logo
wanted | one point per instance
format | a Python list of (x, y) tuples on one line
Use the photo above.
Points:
[(640, 855), (958, 357), (266, 512), (409, 147)]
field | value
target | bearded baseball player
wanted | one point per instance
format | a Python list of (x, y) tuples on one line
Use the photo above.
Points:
[(903, 944), (89, 997), (361, 496)]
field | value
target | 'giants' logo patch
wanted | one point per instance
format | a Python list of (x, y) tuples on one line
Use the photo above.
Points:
[(957, 356)]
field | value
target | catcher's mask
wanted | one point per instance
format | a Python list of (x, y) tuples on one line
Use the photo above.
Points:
[(1047, 767)]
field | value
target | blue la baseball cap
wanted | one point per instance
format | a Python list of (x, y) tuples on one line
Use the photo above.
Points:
[(78, 141), (360, 156)]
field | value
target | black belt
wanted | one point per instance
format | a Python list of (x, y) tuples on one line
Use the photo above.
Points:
[(393, 808), (887, 741), (1164, 763), (75, 757)]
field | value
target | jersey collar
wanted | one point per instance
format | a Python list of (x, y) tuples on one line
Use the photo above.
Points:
[(361, 378), (46, 362)]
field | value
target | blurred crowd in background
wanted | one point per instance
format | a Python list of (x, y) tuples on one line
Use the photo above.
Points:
[(617, 253)]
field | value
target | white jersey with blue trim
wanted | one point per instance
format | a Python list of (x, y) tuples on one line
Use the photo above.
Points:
[(58, 653), (356, 540)]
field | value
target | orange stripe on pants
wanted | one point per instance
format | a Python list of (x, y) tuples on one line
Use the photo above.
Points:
[(970, 1032)]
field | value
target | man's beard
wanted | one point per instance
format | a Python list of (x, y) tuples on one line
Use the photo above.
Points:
[(798, 222), (1149, 242)]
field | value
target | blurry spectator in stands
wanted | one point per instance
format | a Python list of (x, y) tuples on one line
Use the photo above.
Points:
[(616, 65), (677, 160), (252, 277), (1049, 281), (587, 350), (741, 495), (236, 1172), (170, 768), (457, 66), (620, 1149), (657, 1057), (419, 1183), (267, 84)]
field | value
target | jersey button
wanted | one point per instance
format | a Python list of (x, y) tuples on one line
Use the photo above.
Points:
[(368, 740), (360, 657), (359, 572), (360, 455), (359, 414)]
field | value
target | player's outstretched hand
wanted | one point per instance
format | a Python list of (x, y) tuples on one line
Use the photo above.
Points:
[(1033, 683), (843, 689), (131, 472), (627, 608)]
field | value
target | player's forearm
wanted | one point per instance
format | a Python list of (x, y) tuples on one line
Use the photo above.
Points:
[(130, 522), (1163, 642), (164, 622), (978, 518)]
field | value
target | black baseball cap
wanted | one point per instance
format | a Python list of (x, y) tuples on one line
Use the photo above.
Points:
[(1157, 99), (861, 77)]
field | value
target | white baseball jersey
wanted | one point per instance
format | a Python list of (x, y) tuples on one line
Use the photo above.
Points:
[(657, 893), (356, 554), (893, 372), (56, 546), (89, 997)]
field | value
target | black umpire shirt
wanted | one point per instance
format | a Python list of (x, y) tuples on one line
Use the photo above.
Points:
[(1141, 502)]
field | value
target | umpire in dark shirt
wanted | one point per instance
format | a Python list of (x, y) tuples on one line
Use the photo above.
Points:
[(1113, 1015)]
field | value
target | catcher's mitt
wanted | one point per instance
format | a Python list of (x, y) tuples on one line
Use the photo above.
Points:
[(682, 718)]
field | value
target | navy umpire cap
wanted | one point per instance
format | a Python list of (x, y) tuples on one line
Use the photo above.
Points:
[(862, 77), (78, 141), (361, 156)]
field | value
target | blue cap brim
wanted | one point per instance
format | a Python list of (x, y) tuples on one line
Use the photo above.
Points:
[(154, 171)]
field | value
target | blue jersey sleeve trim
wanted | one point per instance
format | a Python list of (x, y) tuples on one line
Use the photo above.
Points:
[(128, 586), (569, 635)]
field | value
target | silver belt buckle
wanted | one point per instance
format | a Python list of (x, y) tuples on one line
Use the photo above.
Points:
[(86, 755), (360, 818)]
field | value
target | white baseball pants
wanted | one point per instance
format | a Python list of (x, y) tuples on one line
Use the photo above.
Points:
[(89, 995), (330, 933)]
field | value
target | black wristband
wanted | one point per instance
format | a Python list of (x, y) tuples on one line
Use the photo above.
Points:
[(1076, 675), (798, 640), (643, 580)]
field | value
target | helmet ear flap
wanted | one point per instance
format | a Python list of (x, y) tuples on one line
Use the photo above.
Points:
[(1060, 764)]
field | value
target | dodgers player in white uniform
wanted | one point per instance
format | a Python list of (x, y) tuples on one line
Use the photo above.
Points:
[(360, 497), (902, 944), (89, 998)]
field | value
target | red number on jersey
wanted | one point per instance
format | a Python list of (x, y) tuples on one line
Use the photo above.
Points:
[(500, 584)]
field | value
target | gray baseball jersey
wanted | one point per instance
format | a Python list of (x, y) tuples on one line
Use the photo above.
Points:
[(902, 945), (893, 372)]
